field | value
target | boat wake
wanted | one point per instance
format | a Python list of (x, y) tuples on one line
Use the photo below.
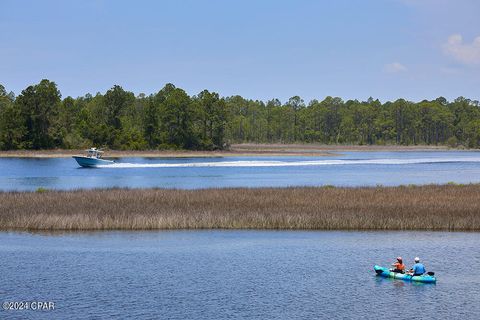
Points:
[(266, 163)]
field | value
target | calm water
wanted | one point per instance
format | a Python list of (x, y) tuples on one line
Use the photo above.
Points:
[(238, 274), (346, 169)]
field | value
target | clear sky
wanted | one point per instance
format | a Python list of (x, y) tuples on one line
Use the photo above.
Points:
[(260, 49)]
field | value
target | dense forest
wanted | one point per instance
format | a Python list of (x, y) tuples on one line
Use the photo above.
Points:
[(39, 118)]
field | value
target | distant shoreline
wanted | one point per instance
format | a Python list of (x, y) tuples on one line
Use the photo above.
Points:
[(314, 150), (432, 207)]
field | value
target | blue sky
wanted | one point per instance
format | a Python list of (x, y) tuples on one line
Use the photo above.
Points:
[(259, 49)]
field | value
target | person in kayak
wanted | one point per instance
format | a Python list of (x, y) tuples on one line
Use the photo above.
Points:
[(418, 269), (398, 266)]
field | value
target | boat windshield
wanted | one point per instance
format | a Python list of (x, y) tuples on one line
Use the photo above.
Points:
[(94, 153)]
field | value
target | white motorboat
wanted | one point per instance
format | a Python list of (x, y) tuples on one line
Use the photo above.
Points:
[(92, 159)]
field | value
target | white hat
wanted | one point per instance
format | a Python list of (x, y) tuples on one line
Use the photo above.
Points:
[(417, 259)]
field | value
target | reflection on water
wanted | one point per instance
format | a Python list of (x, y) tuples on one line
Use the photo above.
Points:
[(348, 169), (239, 274)]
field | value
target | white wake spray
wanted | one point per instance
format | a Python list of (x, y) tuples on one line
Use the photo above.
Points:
[(261, 163)]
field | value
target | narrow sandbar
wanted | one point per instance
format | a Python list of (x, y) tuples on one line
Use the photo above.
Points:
[(237, 150)]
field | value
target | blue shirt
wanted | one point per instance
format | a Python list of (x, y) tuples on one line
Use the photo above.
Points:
[(418, 268)]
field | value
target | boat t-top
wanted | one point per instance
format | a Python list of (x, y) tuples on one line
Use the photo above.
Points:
[(92, 159)]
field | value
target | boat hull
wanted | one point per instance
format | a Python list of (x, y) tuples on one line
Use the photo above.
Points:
[(386, 273), (89, 162)]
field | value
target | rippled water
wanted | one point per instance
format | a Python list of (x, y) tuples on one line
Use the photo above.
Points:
[(346, 169), (238, 274)]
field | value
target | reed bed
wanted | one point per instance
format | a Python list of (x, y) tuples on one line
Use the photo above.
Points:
[(432, 207)]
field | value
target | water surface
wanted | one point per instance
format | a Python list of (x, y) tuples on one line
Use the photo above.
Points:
[(345, 169), (238, 274)]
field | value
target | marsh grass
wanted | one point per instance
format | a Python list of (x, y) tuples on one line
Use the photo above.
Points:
[(433, 207)]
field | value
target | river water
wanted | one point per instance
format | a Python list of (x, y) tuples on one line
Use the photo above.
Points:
[(238, 274), (342, 169)]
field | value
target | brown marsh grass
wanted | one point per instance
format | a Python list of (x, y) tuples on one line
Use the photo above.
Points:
[(433, 207)]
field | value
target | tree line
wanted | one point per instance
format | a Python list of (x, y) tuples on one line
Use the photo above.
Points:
[(39, 118)]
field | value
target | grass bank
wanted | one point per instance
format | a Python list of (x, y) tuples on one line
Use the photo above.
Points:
[(233, 151), (247, 149), (445, 207)]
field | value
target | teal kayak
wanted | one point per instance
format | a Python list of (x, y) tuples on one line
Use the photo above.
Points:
[(386, 273)]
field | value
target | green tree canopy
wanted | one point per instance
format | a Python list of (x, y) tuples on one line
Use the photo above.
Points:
[(39, 118), (38, 106)]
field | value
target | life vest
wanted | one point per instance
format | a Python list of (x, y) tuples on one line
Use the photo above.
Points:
[(399, 266)]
